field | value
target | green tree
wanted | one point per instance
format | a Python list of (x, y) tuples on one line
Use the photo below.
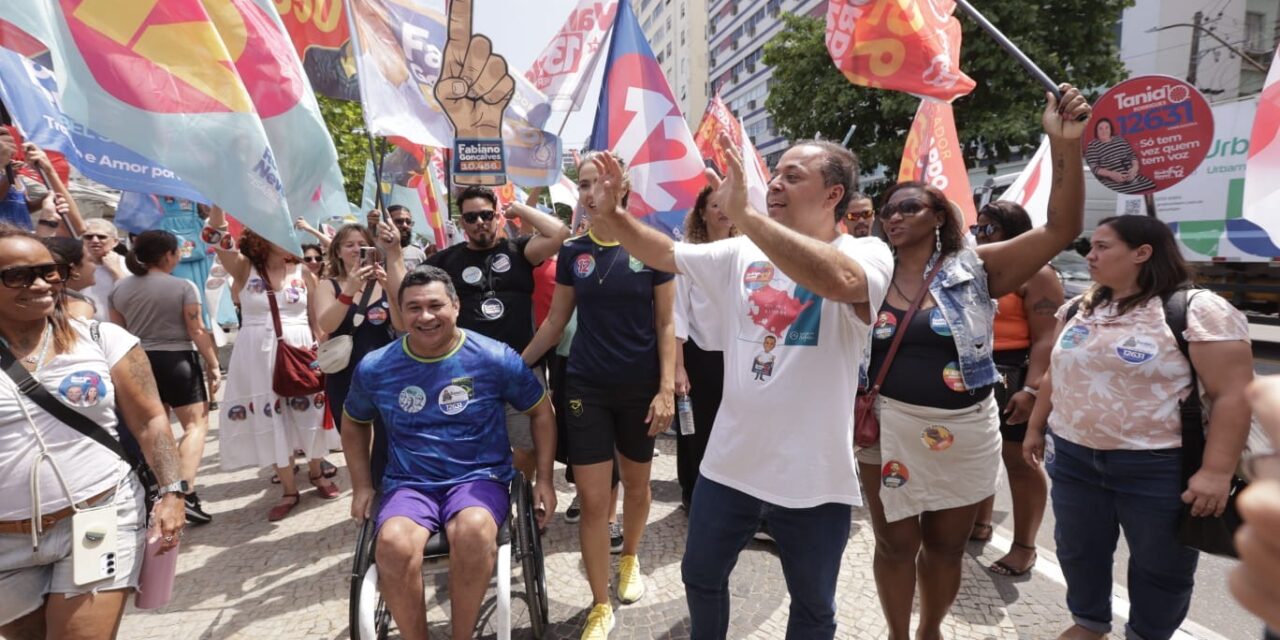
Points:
[(345, 121), (1070, 39)]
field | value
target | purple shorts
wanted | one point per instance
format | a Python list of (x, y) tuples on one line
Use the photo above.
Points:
[(432, 509)]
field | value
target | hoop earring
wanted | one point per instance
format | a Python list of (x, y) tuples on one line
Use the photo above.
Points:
[(937, 239)]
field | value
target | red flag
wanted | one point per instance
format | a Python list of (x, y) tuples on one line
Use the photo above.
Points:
[(717, 119), (932, 155), (320, 33), (901, 45)]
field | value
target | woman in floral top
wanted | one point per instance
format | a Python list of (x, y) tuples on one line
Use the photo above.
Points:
[(1108, 428)]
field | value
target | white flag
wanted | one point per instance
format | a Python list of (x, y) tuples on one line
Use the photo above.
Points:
[(564, 69)]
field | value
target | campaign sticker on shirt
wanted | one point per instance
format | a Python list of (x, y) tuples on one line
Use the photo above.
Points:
[(278, 405), (255, 285), (584, 265), (894, 474), (318, 400), (492, 308), (237, 413), (575, 406), (937, 437), (300, 403), (296, 283), (376, 315), (951, 375), (886, 324), (412, 399), (453, 399), (82, 389), (1073, 337), (266, 410), (185, 248), (758, 274), (938, 323), (292, 295), (1137, 349), (501, 263), (471, 275), (636, 265)]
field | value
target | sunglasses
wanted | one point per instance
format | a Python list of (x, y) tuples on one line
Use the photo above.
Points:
[(983, 229), (908, 208), (95, 236), (312, 259), (473, 216), (858, 215), (402, 222), (52, 224), (24, 277)]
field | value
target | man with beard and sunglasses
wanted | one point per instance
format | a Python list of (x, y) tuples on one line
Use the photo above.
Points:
[(494, 278), (403, 221)]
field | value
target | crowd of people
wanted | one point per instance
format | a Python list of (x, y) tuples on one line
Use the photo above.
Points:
[(448, 372)]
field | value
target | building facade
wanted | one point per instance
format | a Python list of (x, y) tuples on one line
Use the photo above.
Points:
[(676, 30)]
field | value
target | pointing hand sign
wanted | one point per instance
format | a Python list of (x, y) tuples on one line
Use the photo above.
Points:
[(474, 89)]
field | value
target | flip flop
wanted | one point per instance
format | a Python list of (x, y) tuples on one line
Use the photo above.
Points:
[(1002, 568)]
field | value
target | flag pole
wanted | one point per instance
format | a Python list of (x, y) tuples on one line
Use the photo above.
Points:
[(1012, 49), (376, 158)]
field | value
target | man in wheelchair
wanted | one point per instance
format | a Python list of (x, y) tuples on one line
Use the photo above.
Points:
[(440, 393)]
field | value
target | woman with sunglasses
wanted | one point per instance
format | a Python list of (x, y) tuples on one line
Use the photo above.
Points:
[(164, 311), (1108, 426), (938, 454), (1024, 325), (48, 469), (313, 259), (70, 252), (256, 426), (620, 387)]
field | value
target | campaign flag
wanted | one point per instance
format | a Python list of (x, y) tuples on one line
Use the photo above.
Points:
[(13, 38), (1262, 169), (398, 51), (638, 118), (321, 36), (933, 155), (563, 71), (719, 119), (138, 212), (1030, 189), (30, 92), (201, 89), (900, 45)]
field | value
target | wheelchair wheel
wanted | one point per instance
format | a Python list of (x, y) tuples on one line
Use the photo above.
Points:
[(529, 547), (368, 618)]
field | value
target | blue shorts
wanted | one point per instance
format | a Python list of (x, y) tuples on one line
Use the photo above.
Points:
[(432, 509)]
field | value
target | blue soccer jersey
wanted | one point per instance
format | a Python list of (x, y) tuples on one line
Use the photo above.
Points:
[(445, 417)]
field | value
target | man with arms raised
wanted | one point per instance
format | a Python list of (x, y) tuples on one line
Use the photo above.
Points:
[(782, 448), (442, 393), (494, 278)]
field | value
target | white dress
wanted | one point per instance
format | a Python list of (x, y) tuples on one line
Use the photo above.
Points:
[(256, 426)]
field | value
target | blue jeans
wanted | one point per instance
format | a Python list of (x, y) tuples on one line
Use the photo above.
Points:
[(1097, 494), (810, 541)]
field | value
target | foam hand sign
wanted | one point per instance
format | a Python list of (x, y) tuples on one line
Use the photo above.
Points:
[(473, 89)]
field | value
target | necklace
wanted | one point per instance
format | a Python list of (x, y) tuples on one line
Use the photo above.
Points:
[(36, 358), (601, 278)]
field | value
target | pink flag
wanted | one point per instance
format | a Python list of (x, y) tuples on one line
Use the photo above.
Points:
[(717, 119), (563, 71), (1031, 188), (1262, 169)]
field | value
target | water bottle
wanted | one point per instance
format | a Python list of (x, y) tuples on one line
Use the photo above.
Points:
[(684, 411)]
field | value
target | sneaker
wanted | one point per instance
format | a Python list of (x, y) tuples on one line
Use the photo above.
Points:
[(574, 512), (762, 534), (195, 512), (615, 537), (630, 582), (599, 623)]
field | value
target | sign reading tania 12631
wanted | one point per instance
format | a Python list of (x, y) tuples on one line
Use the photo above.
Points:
[(1147, 134)]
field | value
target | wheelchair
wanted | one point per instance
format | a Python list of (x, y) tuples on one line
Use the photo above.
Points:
[(369, 617)]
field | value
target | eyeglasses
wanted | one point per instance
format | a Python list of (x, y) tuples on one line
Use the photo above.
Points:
[(52, 224), (908, 208), (472, 216), (984, 229), (24, 277), (858, 215), (312, 258), (96, 236), (402, 222)]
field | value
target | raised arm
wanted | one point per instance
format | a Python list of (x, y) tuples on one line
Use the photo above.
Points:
[(233, 261), (1012, 262), (301, 224), (642, 241), (563, 302), (64, 204), (551, 231)]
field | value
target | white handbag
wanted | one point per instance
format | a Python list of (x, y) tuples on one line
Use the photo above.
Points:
[(334, 354)]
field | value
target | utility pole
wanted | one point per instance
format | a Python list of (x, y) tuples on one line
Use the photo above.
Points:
[(1194, 61)]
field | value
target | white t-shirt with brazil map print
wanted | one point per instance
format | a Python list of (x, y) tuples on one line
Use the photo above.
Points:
[(784, 432)]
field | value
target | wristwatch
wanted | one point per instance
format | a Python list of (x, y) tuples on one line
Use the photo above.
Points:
[(179, 486)]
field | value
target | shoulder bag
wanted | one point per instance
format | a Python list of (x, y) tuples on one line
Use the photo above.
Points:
[(866, 424), (296, 372), (334, 354)]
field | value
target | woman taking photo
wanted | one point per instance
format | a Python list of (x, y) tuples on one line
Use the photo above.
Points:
[(164, 312), (938, 453), (1024, 325), (699, 364), (258, 427), (620, 387), (1108, 427), (48, 468)]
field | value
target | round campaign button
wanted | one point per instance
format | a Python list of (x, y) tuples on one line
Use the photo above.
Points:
[(492, 308), (501, 263), (471, 275)]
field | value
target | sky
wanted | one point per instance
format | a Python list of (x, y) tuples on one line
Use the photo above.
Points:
[(520, 30)]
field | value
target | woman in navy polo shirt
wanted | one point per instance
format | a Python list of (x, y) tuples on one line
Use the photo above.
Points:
[(620, 386)]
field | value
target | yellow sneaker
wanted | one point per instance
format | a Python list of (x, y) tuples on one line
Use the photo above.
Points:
[(599, 623), (630, 582)]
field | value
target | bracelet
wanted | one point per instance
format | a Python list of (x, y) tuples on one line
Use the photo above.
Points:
[(346, 299), (1035, 393)]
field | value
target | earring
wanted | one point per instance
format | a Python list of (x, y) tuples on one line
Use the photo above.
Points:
[(937, 240)]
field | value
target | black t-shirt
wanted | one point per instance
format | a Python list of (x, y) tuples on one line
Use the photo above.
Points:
[(495, 288), (926, 370), (617, 341)]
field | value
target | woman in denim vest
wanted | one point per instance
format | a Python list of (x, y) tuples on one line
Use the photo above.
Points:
[(939, 450)]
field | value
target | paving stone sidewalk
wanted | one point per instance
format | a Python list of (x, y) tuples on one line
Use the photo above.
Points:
[(243, 577)]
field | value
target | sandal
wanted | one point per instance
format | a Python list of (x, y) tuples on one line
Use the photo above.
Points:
[(275, 477), (326, 469), (326, 489), (1002, 568), (281, 510), (981, 526)]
